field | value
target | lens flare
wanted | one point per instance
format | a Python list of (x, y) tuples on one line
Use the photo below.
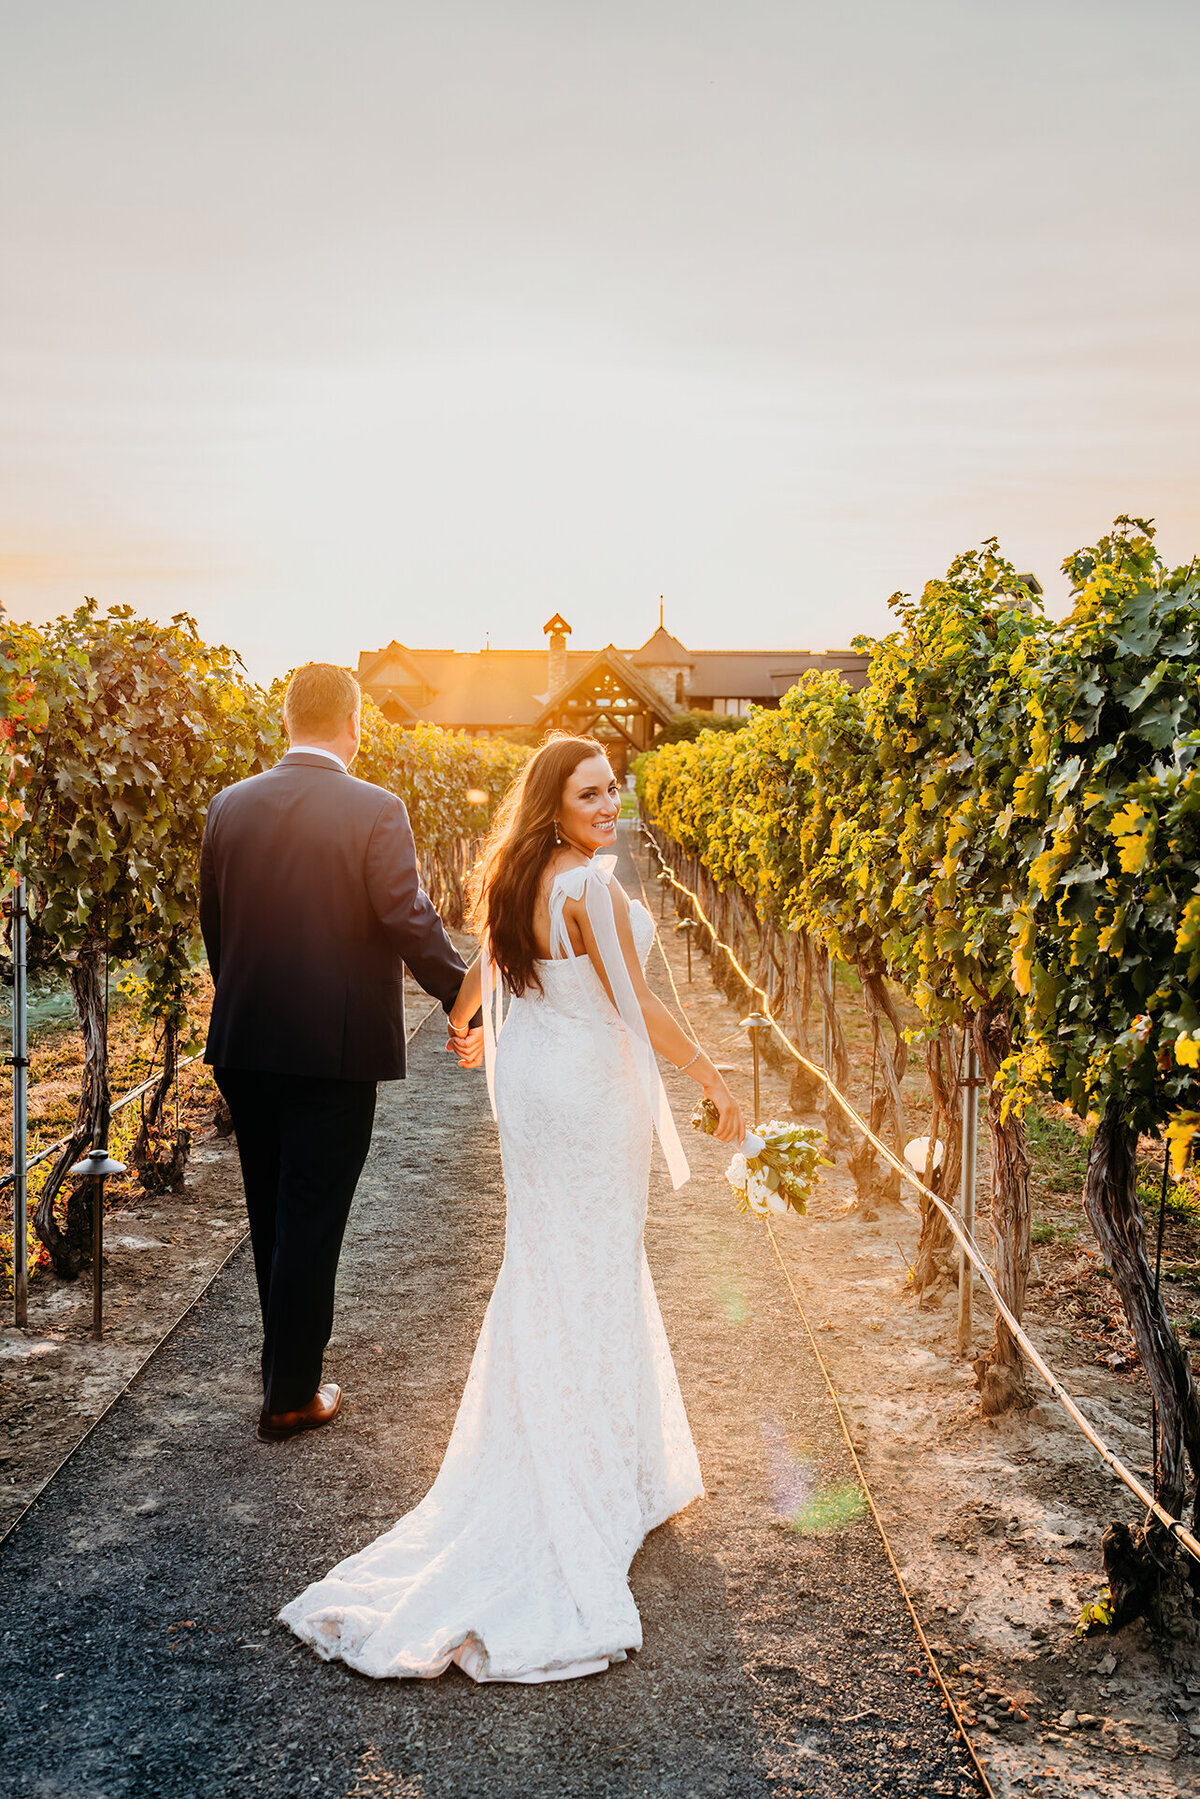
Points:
[(810, 1506), (733, 1302)]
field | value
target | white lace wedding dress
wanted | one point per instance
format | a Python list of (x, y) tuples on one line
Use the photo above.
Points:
[(571, 1441)]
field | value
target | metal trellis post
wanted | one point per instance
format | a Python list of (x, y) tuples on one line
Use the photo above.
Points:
[(15, 910), (970, 1139)]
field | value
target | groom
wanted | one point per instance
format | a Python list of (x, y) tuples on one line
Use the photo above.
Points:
[(310, 899)]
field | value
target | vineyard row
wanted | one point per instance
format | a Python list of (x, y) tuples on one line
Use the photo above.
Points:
[(1003, 825)]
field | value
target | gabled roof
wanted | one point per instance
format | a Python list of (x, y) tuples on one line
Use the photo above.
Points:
[(557, 623), (394, 706), (611, 658), (496, 689), (663, 651), (393, 666)]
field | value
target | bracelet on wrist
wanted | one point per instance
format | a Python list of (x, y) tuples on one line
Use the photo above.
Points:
[(684, 1066)]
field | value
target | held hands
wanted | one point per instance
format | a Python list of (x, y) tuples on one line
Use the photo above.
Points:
[(466, 1044)]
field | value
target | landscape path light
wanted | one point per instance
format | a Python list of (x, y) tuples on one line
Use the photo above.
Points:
[(96, 1165), (756, 1024), (664, 882), (687, 926), (916, 1154)]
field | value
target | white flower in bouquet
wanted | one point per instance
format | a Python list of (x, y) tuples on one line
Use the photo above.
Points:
[(758, 1194), (735, 1174)]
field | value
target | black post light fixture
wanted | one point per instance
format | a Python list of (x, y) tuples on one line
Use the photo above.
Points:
[(96, 1165)]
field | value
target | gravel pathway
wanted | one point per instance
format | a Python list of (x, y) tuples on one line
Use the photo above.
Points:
[(138, 1652)]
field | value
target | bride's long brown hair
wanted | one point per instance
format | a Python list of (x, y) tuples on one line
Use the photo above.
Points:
[(504, 884)]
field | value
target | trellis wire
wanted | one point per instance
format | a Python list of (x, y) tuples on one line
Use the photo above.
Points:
[(966, 1241), (126, 1099)]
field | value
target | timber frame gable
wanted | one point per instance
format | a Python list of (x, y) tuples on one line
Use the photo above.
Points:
[(610, 700)]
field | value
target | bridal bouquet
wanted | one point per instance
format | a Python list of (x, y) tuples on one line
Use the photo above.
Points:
[(776, 1167)]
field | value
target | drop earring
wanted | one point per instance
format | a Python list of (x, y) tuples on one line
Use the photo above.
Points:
[(557, 838)]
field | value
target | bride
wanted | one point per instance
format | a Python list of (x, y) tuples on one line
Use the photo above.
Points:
[(571, 1441)]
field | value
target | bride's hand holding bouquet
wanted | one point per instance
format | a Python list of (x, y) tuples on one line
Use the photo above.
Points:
[(777, 1166)]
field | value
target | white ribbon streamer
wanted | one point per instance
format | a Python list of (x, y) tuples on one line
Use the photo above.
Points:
[(589, 882), (492, 995)]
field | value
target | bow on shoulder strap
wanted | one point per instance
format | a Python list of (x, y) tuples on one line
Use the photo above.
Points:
[(590, 882)]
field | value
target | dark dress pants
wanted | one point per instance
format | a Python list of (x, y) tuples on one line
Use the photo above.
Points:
[(302, 1144)]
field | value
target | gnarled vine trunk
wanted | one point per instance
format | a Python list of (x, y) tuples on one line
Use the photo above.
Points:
[(70, 1241), (1000, 1374), (876, 1181), (159, 1157), (805, 1090), (1111, 1201), (838, 1131), (935, 1266)]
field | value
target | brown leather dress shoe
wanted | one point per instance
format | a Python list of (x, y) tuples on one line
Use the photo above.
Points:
[(322, 1408)]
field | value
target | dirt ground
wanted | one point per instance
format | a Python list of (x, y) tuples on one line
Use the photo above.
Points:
[(777, 1659), (996, 1524)]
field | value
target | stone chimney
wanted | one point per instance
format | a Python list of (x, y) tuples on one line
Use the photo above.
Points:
[(557, 630)]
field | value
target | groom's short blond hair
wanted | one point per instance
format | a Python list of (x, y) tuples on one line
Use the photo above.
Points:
[(320, 698)]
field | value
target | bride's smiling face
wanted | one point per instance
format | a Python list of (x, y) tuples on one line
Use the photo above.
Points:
[(589, 807)]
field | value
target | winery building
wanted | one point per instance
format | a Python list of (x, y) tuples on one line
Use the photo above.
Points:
[(626, 698)]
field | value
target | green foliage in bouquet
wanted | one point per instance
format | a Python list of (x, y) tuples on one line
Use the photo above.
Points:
[(783, 1175)]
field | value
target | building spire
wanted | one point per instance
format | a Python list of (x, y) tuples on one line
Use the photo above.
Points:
[(660, 612)]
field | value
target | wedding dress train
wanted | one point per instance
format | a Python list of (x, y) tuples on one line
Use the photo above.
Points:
[(571, 1440)]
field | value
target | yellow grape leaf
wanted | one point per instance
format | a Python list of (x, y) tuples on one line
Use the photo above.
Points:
[(1022, 959), (1028, 790), (1182, 1128), (1133, 831), (1188, 934), (1044, 870), (1112, 936), (958, 833), (1187, 1052)]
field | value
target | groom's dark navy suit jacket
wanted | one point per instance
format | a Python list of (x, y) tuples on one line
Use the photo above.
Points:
[(310, 900)]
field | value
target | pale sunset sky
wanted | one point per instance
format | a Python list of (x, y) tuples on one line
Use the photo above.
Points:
[(336, 323)]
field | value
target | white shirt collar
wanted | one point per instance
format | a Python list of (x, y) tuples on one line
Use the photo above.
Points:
[(306, 749)]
